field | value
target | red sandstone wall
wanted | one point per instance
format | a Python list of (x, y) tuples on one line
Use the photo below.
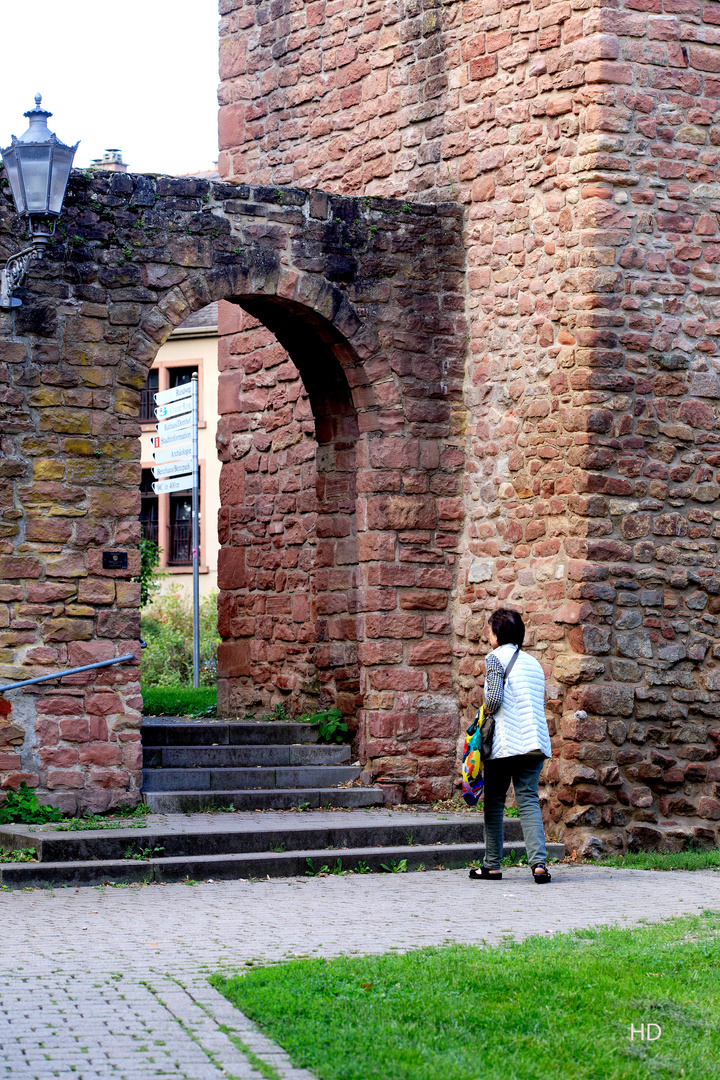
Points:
[(583, 141), (366, 297), (68, 491), (289, 599), (346, 95)]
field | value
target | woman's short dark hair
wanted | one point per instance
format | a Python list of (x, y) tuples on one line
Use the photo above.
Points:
[(508, 627)]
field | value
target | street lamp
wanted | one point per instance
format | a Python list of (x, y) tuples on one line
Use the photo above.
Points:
[(38, 167)]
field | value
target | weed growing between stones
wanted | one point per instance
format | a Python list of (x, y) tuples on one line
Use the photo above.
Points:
[(332, 727), (144, 854), (131, 818), (312, 872), (513, 860), (257, 1063), (140, 811), (279, 713), (27, 854), (93, 821), (212, 806), (21, 807), (395, 866)]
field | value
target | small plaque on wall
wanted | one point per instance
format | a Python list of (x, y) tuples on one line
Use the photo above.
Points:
[(115, 560)]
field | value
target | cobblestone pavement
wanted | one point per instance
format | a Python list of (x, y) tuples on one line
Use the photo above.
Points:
[(112, 982)]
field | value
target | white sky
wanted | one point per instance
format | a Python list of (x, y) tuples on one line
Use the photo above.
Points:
[(139, 75)]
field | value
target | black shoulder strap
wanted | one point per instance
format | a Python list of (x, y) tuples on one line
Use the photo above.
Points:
[(509, 668)]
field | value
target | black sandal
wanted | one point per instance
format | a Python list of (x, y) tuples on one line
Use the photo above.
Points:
[(544, 877), (483, 872)]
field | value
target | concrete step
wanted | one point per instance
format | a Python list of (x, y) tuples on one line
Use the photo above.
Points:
[(229, 838), (259, 777), (188, 802), (256, 865), (162, 732), (213, 757)]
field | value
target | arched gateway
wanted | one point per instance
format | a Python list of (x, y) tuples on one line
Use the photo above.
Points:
[(365, 296)]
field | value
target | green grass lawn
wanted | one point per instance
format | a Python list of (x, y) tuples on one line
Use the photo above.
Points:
[(665, 860), (177, 700), (555, 1008)]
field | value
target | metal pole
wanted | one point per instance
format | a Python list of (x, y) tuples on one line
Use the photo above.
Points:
[(195, 535)]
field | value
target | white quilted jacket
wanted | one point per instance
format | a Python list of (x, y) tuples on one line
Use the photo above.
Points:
[(520, 724)]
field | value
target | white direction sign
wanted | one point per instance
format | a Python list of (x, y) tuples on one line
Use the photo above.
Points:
[(174, 437), (172, 468), (180, 483), (175, 408), (164, 397), (172, 453), (180, 423)]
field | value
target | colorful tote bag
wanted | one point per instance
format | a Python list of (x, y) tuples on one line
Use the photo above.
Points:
[(472, 777)]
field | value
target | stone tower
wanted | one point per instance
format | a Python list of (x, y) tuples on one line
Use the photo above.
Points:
[(581, 140)]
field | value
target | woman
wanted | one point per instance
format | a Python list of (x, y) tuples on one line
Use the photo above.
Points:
[(515, 696)]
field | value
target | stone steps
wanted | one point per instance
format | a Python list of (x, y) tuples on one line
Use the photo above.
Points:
[(226, 838), (188, 779), (174, 850), (213, 757), (177, 731), (189, 802), (250, 765), (231, 867)]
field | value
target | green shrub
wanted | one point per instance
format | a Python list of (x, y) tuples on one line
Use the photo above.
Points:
[(167, 629)]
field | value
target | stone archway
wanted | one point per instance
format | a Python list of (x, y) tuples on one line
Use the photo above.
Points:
[(290, 440), (366, 297)]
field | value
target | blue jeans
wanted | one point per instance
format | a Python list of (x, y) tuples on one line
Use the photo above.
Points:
[(524, 771)]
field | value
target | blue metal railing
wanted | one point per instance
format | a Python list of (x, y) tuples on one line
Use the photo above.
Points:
[(70, 671)]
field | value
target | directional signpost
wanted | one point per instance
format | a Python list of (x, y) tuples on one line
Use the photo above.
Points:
[(175, 455)]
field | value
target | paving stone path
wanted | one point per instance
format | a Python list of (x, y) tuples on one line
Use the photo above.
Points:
[(112, 982)]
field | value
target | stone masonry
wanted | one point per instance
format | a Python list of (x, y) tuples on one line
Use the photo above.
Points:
[(523, 196), (299, 540), (358, 539), (582, 141)]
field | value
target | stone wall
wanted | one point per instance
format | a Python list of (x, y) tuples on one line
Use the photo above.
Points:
[(582, 141), (289, 500), (346, 485), (342, 507)]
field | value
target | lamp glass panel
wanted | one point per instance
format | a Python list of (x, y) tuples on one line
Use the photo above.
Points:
[(62, 163), (13, 174), (35, 162)]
